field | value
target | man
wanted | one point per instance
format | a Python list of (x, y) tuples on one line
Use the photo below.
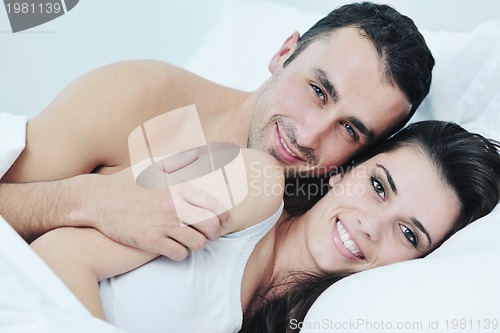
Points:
[(354, 78)]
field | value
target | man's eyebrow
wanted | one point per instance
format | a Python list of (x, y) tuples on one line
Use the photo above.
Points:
[(322, 77), (422, 228), (368, 133), (389, 179)]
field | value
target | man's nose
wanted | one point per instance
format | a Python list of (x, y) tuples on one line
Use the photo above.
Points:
[(312, 131)]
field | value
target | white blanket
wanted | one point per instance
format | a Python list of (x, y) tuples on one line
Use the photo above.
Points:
[(32, 298)]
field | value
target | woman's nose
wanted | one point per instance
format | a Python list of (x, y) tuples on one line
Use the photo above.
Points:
[(373, 223)]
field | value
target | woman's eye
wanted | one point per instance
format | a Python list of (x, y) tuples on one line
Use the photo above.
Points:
[(378, 187), (318, 92), (350, 131), (409, 234)]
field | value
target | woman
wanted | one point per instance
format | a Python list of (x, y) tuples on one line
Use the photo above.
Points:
[(400, 203)]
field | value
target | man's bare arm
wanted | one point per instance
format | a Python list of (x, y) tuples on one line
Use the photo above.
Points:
[(85, 130), (35, 208)]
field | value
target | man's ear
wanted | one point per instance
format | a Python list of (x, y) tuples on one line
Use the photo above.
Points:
[(284, 52)]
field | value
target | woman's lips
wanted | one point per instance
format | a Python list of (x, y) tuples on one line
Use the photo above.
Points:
[(345, 242)]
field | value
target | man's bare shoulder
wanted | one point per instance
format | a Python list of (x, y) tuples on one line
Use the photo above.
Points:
[(149, 86), (144, 89), (87, 125)]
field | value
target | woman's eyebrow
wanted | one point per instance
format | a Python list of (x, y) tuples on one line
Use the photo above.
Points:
[(421, 227), (389, 178), (416, 222)]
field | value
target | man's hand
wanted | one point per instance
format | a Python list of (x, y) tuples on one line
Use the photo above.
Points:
[(147, 218)]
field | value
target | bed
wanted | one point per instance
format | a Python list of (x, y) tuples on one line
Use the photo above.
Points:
[(454, 289)]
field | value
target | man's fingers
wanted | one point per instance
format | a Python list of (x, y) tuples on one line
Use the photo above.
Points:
[(172, 249), (200, 220), (178, 243), (210, 228), (177, 161), (199, 198), (225, 218), (155, 176)]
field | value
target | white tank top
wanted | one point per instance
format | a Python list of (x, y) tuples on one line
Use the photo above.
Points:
[(199, 294)]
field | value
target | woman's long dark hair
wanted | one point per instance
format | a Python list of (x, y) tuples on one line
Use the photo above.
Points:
[(278, 314), (467, 162)]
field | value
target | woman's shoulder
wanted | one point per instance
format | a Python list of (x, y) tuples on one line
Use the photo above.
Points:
[(264, 190), (264, 174)]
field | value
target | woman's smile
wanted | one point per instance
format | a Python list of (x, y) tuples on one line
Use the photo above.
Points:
[(345, 242)]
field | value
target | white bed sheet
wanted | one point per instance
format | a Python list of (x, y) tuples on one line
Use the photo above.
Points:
[(32, 298)]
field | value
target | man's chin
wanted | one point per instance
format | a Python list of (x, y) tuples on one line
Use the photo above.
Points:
[(303, 171)]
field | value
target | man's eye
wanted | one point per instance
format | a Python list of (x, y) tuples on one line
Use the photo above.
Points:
[(378, 187), (350, 131), (409, 234), (318, 92)]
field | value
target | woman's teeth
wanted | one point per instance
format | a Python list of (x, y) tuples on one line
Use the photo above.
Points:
[(346, 239), (286, 147)]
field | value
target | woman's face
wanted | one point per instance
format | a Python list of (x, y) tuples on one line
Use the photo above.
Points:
[(391, 208)]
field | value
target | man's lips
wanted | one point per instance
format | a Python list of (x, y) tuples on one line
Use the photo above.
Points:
[(285, 150)]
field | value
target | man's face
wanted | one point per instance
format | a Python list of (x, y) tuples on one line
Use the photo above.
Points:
[(325, 105)]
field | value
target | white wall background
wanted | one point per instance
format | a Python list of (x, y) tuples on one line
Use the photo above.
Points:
[(37, 63), (450, 15)]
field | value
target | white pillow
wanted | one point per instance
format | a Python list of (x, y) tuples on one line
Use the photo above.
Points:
[(456, 287), (466, 79), (453, 289), (240, 46)]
